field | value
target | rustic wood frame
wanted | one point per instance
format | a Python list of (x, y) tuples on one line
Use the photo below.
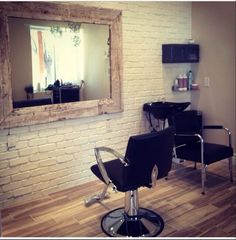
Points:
[(14, 117)]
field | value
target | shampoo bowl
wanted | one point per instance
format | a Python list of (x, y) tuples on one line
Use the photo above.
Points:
[(163, 110)]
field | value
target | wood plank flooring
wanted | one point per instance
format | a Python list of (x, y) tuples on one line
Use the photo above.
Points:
[(186, 212)]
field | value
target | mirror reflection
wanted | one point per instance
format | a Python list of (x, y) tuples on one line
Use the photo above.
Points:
[(57, 62)]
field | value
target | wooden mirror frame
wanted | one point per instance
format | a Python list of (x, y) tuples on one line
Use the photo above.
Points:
[(15, 117)]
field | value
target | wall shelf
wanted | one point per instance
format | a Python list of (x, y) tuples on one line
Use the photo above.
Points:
[(180, 90)]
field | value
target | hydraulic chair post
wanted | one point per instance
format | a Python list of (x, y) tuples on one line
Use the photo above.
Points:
[(131, 203)]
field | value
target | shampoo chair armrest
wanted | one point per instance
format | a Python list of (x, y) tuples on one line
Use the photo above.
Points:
[(190, 135), (101, 166), (220, 127), (213, 127), (194, 135)]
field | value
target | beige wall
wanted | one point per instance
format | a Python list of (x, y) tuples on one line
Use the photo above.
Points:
[(213, 27)]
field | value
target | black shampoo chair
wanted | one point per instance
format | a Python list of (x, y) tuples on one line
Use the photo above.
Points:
[(148, 158), (190, 145)]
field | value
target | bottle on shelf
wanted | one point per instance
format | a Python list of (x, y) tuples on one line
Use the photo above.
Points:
[(190, 79), (176, 85), (182, 82), (185, 82)]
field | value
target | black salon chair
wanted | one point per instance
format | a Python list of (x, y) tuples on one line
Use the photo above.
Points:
[(190, 145), (148, 158)]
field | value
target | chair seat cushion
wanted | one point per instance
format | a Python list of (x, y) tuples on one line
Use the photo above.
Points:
[(116, 172), (120, 175), (212, 152)]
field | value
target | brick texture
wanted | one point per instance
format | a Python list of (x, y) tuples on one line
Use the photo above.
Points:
[(49, 157)]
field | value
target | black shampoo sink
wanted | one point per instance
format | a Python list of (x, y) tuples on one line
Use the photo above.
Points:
[(163, 110)]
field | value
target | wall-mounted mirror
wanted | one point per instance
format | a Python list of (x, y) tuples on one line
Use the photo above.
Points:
[(62, 61), (58, 61)]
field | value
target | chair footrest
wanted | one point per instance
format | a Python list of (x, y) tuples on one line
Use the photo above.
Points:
[(117, 223), (95, 198)]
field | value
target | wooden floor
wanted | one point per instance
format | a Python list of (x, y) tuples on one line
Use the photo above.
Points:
[(186, 212)]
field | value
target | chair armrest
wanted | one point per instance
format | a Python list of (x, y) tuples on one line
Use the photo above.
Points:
[(189, 135), (220, 127), (213, 127), (115, 153), (201, 142), (101, 166)]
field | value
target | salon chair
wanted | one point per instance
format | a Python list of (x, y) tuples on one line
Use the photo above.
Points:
[(190, 144), (148, 157), (64, 94)]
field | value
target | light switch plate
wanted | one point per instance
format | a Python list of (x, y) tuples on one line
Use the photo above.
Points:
[(206, 82)]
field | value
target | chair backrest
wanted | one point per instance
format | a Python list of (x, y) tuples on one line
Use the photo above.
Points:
[(189, 121), (144, 152), (186, 122)]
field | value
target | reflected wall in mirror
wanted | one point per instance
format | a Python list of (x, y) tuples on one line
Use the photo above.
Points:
[(57, 62), (78, 16)]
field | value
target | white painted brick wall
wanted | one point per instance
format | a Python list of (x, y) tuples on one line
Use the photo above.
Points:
[(39, 159)]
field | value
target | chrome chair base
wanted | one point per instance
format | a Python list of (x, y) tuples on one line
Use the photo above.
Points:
[(117, 223)]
